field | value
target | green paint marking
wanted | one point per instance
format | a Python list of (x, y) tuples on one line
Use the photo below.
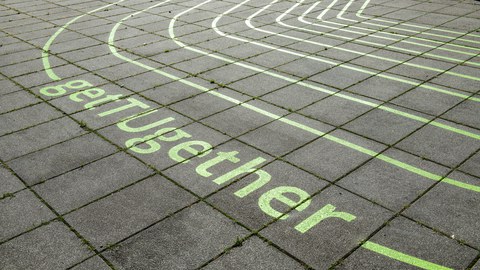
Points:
[(279, 20), (399, 256), (331, 62), (330, 92), (48, 44), (360, 11), (302, 19), (389, 160), (339, 15)]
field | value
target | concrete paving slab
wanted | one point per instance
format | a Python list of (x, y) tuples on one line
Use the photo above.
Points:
[(414, 240), (168, 132), (392, 187), (52, 246), (37, 137), (442, 202), (60, 158), (331, 159), (10, 183), (428, 143), (21, 212), (120, 215), (332, 238), (95, 263), (181, 241), (254, 254), (90, 182)]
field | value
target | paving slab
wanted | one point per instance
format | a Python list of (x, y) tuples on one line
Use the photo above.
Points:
[(254, 254), (120, 215), (239, 135), (90, 182), (331, 238), (21, 212), (412, 239), (181, 241), (52, 246), (443, 202), (60, 158)]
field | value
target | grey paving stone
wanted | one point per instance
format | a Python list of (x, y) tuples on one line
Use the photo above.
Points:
[(386, 127), (239, 119), (293, 97), (228, 74), (78, 187), (302, 68), (120, 215), (9, 183), (27, 117), (332, 238), (7, 86), (476, 266), (52, 246), (258, 85), (405, 236), (438, 103), (201, 106), (202, 184), (335, 110), (20, 213), (379, 88), (465, 113), (246, 209), (170, 93), (472, 165), (183, 241), (38, 137), (459, 83), (95, 263), (332, 160), (378, 63), (278, 138), (254, 254), (451, 209), (339, 77), (388, 185), (16, 100), (53, 161), (437, 145)]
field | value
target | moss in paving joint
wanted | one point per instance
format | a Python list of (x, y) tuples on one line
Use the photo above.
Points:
[(7, 195)]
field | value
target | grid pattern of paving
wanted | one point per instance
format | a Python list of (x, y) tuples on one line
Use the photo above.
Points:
[(255, 134)]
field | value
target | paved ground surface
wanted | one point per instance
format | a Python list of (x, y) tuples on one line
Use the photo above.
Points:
[(144, 134)]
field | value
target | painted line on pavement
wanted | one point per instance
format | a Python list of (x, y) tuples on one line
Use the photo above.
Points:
[(303, 20)]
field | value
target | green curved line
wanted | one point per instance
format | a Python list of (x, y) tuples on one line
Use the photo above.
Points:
[(418, 171), (48, 44), (402, 257), (302, 19), (456, 74), (360, 11)]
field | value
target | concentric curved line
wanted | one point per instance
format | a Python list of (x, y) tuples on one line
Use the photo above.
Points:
[(360, 15), (48, 44), (456, 74), (333, 62), (317, 132), (303, 20), (369, 244), (339, 15)]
